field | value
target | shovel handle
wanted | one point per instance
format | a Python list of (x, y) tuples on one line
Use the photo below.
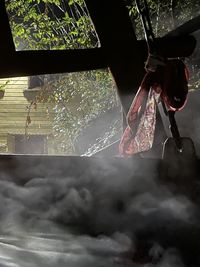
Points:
[(174, 130)]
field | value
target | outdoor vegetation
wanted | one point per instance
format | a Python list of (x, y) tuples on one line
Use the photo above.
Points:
[(167, 15), (82, 98)]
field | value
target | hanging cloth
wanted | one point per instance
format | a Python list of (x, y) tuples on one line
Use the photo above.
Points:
[(168, 83)]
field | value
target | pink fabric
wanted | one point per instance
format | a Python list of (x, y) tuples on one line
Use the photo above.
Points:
[(139, 134), (141, 118)]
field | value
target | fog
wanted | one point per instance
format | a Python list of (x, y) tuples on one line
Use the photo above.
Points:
[(105, 216)]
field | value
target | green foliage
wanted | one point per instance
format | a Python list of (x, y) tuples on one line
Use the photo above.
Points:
[(2, 86), (50, 24), (79, 98), (165, 14)]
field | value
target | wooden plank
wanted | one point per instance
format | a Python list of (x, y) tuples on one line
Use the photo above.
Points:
[(15, 81), (20, 123), (35, 131), (13, 99), (14, 92), (15, 119), (22, 113), (3, 139), (10, 110), (17, 114), (17, 86), (14, 88), (22, 79), (35, 117), (20, 104), (28, 131), (43, 131)]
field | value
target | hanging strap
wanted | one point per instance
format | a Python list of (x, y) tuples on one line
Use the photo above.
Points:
[(143, 10), (167, 79)]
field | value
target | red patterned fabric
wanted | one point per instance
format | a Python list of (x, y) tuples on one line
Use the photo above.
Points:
[(139, 134), (141, 118)]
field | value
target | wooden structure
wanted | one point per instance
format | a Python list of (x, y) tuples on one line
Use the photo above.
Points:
[(13, 116)]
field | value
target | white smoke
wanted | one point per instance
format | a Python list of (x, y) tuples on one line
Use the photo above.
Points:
[(110, 215)]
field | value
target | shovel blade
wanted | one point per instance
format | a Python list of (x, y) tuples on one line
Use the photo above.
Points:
[(179, 166)]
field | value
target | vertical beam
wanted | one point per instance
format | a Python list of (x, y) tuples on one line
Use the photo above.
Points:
[(119, 44), (6, 43)]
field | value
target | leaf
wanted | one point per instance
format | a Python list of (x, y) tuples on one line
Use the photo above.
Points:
[(71, 2)]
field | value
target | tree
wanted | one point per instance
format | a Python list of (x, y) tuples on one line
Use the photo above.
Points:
[(166, 15), (79, 97), (50, 24)]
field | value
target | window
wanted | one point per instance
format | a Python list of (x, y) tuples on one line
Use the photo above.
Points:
[(43, 25), (35, 81), (165, 15), (73, 113)]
